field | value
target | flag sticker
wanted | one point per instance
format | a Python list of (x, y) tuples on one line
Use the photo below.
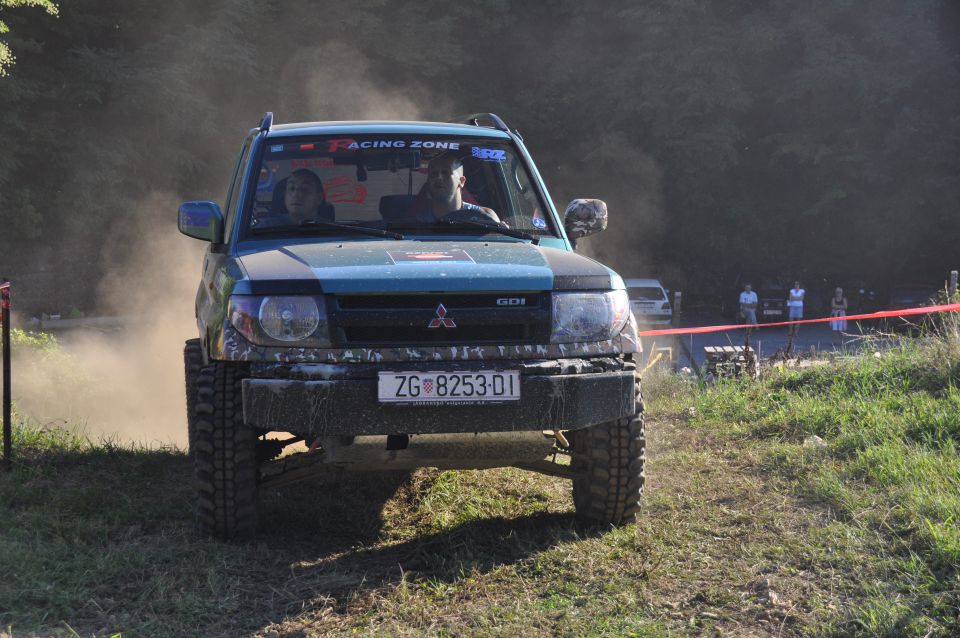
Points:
[(455, 256)]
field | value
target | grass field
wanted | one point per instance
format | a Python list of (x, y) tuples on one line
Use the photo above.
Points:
[(750, 528)]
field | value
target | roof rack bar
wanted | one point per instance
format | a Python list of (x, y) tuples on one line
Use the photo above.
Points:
[(476, 118), (267, 121)]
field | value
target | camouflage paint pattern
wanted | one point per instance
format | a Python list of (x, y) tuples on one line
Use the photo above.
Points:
[(585, 217), (235, 347), (341, 371)]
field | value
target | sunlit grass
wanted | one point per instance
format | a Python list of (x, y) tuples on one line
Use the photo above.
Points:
[(888, 462)]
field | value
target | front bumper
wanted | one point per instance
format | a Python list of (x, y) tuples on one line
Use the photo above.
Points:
[(316, 400)]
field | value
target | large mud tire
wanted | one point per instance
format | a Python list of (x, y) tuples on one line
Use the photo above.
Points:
[(609, 458), (224, 453), (192, 362)]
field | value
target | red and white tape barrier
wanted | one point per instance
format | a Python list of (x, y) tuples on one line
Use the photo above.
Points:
[(740, 326)]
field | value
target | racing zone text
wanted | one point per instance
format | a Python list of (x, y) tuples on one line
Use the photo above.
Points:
[(348, 144)]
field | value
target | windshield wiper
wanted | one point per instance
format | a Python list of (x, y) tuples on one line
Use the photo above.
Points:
[(494, 228), (314, 225)]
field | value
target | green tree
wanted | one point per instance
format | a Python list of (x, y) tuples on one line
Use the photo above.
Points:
[(6, 55)]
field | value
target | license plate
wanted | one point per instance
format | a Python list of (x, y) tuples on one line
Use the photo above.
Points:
[(482, 386), (773, 312)]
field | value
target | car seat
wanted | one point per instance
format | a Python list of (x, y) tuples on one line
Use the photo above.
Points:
[(396, 208), (277, 207), (421, 201)]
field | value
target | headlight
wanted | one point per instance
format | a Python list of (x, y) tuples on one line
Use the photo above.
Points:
[(589, 316), (281, 321), (289, 318)]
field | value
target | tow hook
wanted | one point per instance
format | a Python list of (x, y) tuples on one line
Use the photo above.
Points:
[(558, 435)]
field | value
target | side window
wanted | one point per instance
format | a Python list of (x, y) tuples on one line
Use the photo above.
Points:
[(233, 193)]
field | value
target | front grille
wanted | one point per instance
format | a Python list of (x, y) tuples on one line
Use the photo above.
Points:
[(403, 320), (432, 300)]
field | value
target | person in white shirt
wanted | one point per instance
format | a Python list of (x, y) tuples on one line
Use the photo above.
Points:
[(795, 306), (748, 306)]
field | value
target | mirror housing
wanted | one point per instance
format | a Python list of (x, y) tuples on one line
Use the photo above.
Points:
[(584, 217), (201, 220)]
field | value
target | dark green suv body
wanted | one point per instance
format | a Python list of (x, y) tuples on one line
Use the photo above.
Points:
[(395, 295)]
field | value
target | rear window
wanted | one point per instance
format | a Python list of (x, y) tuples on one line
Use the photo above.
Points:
[(646, 293), (381, 181)]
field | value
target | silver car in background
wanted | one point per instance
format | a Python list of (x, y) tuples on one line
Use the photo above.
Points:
[(649, 301)]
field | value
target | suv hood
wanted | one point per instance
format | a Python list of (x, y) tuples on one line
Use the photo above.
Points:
[(418, 266)]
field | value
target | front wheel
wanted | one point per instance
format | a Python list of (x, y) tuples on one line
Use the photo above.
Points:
[(609, 460), (224, 454), (192, 362)]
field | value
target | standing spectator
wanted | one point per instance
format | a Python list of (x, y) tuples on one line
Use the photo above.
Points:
[(748, 306), (795, 307), (838, 308)]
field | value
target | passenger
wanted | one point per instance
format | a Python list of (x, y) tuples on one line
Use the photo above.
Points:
[(445, 180), (303, 200), (303, 196)]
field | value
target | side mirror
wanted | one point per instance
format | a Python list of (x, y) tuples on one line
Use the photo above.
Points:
[(584, 217), (201, 220)]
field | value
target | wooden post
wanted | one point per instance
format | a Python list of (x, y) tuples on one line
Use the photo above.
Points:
[(953, 286), (675, 323)]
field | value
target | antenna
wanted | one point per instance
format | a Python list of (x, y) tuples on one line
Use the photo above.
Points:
[(476, 118)]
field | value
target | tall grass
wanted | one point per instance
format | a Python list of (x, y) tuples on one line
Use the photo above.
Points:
[(887, 460)]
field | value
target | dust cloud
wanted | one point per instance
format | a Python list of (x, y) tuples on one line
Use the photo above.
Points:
[(125, 384), (630, 181), (345, 87)]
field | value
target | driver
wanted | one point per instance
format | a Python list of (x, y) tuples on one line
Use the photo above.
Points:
[(445, 180)]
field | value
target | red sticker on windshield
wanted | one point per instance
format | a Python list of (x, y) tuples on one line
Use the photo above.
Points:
[(344, 190), (455, 256)]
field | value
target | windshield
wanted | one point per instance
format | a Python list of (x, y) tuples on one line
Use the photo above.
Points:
[(411, 184)]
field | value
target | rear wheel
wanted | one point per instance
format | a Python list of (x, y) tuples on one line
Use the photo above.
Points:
[(224, 453), (609, 459)]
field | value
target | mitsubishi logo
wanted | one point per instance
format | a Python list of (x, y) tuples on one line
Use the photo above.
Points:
[(441, 319)]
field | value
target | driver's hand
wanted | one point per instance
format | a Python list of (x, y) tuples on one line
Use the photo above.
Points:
[(489, 212)]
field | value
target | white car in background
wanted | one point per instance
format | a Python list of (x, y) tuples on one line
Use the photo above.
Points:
[(649, 301)]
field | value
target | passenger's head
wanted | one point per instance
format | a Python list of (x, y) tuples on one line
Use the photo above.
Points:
[(303, 194), (445, 177), (838, 292), (747, 287)]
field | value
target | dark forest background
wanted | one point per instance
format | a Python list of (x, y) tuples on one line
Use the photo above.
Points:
[(796, 139)]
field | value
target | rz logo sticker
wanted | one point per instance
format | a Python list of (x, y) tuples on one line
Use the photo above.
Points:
[(490, 154)]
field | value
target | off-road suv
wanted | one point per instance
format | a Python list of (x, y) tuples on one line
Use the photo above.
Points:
[(393, 295)]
